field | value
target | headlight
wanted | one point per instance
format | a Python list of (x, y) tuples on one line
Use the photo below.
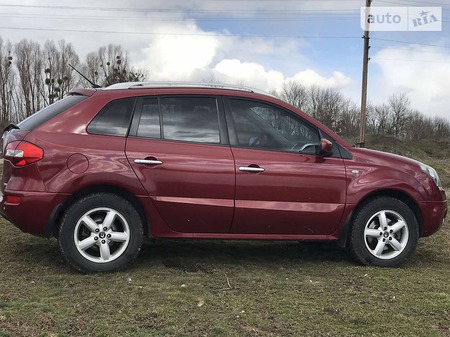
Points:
[(431, 172)]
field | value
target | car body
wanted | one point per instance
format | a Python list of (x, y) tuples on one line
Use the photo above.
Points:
[(103, 167)]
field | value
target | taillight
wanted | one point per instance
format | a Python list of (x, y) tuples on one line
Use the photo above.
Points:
[(12, 200), (22, 153)]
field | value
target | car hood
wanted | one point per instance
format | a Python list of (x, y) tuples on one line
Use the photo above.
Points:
[(380, 158)]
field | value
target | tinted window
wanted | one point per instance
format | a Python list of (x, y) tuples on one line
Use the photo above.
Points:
[(113, 119), (149, 125), (193, 119), (263, 126), (49, 112)]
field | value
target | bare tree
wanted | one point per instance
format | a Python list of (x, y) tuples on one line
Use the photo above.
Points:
[(29, 62), (294, 93), (7, 83), (382, 115), (58, 74), (110, 65), (441, 128), (325, 105), (418, 126), (400, 108), (348, 119)]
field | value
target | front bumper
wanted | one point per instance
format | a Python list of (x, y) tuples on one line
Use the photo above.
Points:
[(433, 216)]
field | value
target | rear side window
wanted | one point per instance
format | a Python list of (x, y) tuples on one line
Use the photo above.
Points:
[(113, 119), (188, 119), (191, 119), (49, 112)]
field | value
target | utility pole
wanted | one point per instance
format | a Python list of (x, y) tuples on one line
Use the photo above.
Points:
[(363, 119)]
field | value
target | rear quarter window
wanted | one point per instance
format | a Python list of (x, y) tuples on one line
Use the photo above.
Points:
[(114, 119), (49, 112)]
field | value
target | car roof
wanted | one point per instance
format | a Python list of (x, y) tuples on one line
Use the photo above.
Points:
[(167, 85)]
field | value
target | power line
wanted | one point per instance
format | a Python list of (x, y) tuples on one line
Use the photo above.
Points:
[(408, 60), (220, 35), (415, 3), (178, 19), (179, 34), (415, 50), (175, 10), (411, 43)]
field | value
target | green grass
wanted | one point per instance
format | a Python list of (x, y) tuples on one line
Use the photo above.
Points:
[(220, 288)]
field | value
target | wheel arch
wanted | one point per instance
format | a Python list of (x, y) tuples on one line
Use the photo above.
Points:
[(397, 194), (57, 213)]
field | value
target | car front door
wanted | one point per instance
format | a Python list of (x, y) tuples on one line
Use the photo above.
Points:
[(186, 166), (282, 186)]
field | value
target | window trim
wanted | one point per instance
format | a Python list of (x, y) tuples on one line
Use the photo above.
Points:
[(137, 117)]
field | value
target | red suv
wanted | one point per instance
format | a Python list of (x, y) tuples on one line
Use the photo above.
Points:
[(104, 167)]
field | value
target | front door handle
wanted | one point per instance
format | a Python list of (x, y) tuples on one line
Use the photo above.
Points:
[(148, 161), (251, 169)]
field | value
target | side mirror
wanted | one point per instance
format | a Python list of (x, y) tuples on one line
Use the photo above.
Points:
[(325, 148)]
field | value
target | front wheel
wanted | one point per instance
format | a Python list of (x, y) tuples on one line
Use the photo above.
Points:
[(384, 233), (100, 233)]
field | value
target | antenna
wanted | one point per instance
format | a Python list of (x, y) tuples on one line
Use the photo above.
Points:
[(87, 79)]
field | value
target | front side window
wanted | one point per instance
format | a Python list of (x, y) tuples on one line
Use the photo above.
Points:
[(263, 126), (192, 119), (113, 119)]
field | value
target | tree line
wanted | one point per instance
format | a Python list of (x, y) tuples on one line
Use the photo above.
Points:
[(396, 117), (33, 76)]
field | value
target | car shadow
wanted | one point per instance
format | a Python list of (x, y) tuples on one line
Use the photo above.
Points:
[(190, 255), (205, 255)]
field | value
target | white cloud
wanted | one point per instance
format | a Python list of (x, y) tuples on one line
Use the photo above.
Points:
[(422, 72), (176, 57), (247, 73), (213, 56), (310, 77)]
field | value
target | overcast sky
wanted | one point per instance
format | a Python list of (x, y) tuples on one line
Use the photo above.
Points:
[(258, 43)]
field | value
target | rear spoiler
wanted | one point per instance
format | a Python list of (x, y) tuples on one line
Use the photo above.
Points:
[(82, 91)]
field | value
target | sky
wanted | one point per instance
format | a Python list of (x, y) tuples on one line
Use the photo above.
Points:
[(257, 43)]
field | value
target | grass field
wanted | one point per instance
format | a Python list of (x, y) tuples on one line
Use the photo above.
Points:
[(219, 288), (226, 288)]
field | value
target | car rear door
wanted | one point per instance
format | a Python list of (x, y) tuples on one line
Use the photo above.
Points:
[(178, 150)]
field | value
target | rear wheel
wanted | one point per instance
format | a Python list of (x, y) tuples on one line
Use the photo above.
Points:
[(100, 233), (384, 233)]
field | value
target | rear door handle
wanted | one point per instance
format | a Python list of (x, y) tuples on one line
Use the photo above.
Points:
[(148, 161), (251, 169)]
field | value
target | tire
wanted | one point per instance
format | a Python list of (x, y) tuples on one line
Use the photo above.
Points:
[(100, 233), (384, 233)]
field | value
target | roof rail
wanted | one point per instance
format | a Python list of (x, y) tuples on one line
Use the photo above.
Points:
[(144, 85)]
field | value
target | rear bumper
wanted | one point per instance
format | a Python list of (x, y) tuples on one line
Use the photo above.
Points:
[(30, 211)]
